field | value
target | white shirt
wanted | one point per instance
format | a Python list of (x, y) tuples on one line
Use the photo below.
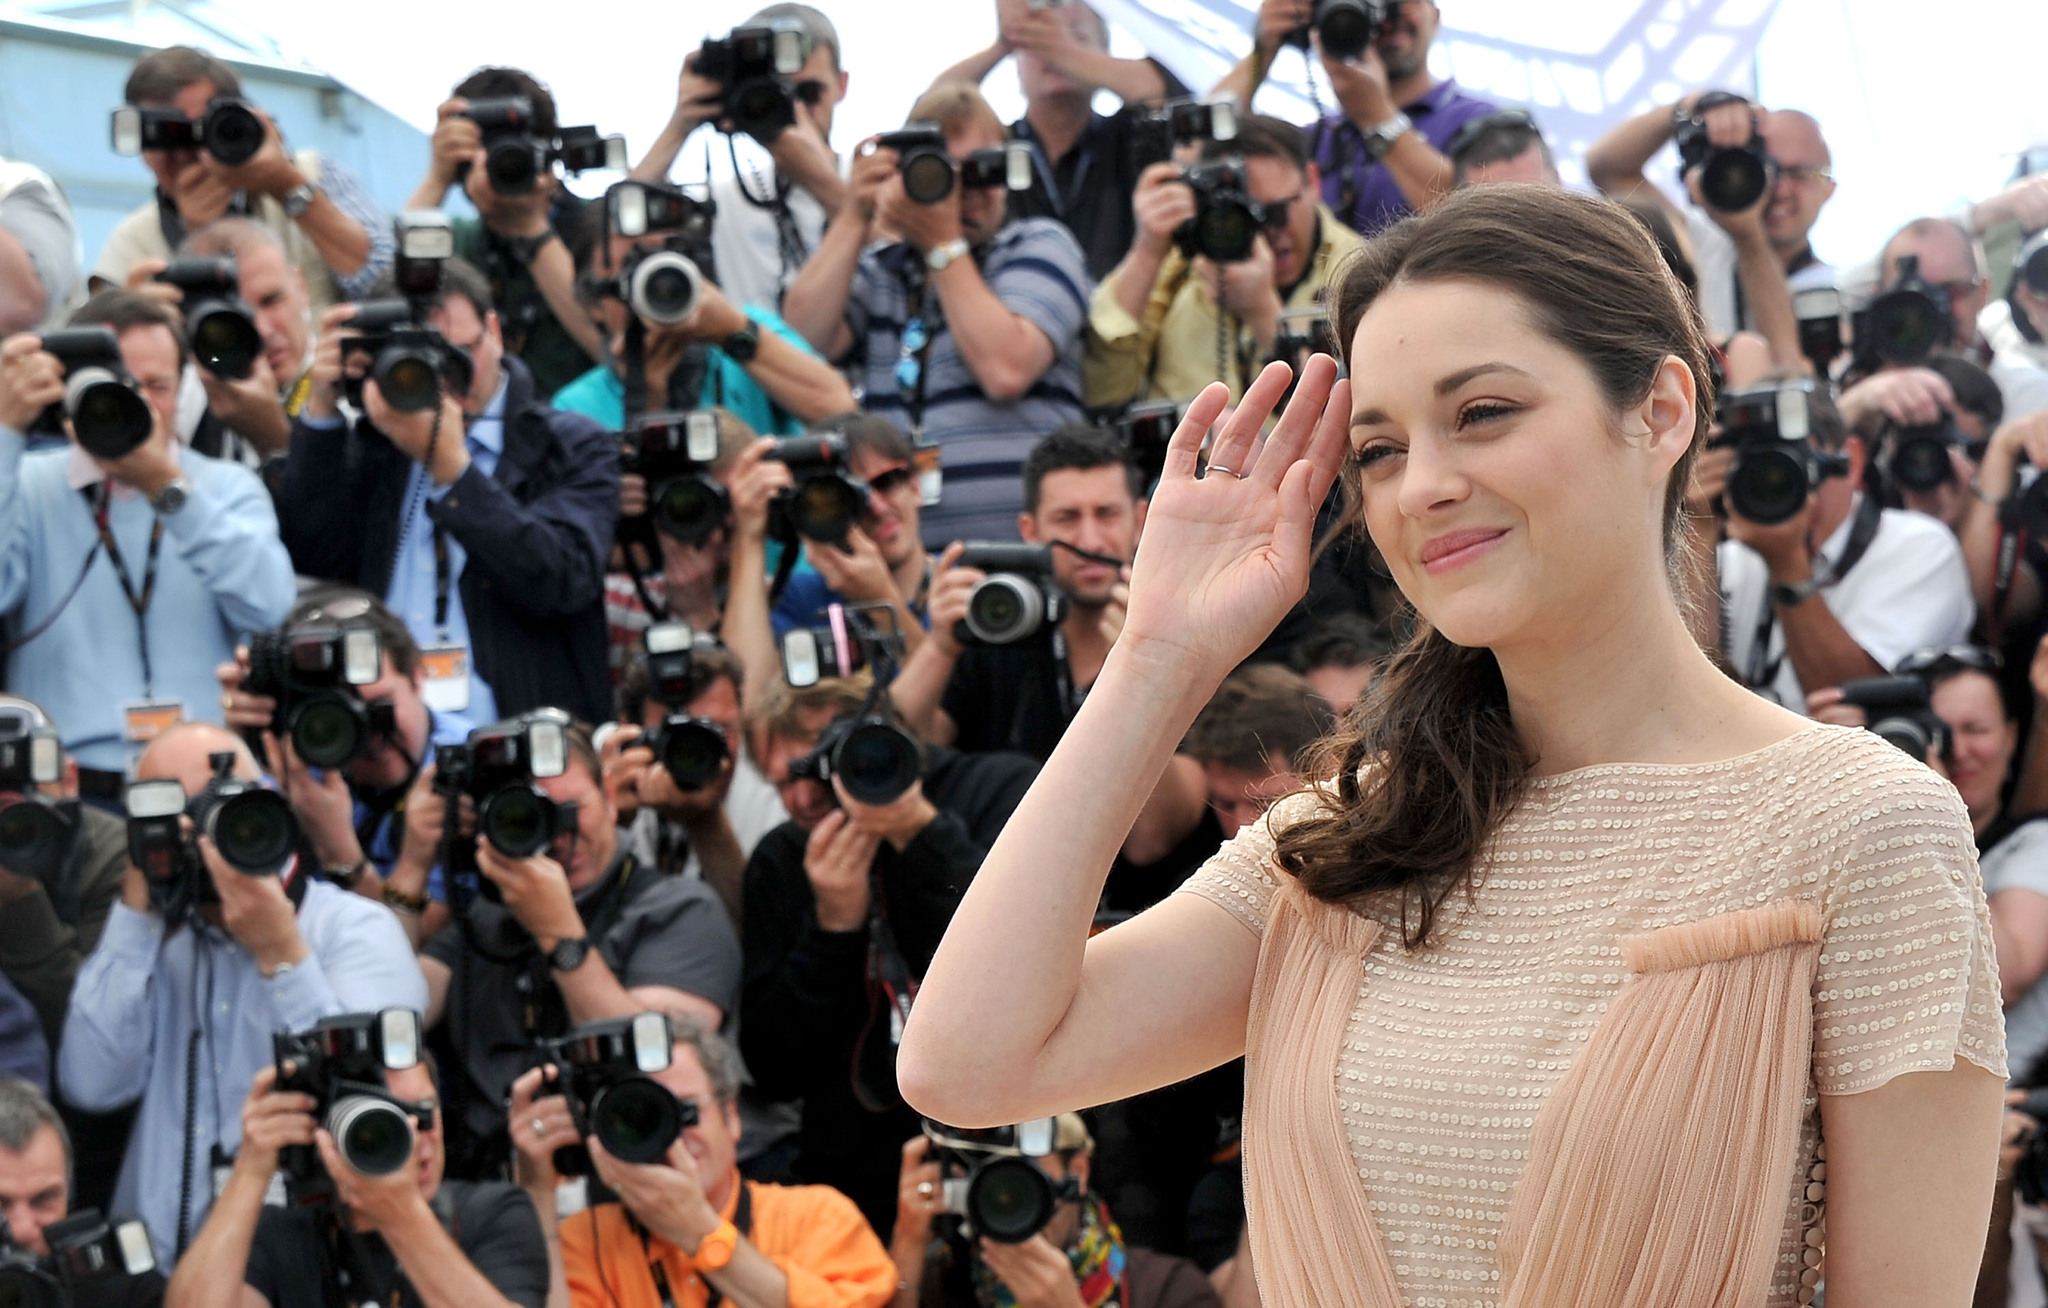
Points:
[(752, 806), (2018, 365), (1714, 260), (1910, 591), (746, 242)]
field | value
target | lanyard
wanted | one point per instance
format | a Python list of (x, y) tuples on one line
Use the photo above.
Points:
[(443, 568), (1047, 175), (139, 603), (916, 348)]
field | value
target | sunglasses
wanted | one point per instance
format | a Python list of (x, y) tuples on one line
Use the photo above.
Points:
[(1273, 213), (1974, 657), (888, 483)]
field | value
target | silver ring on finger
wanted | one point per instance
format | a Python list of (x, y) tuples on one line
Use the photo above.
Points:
[(1217, 467), (539, 1127), (924, 1189)]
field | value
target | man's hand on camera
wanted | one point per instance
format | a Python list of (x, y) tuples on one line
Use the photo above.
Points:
[(1909, 397), (31, 380), (1278, 20), (658, 790), (378, 1203), (1825, 705), (858, 572), (1044, 32), (1160, 204), (924, 226), (714, 318), (201, 192), (2024, 202), (1709, 479), (1038, 1275), (536, 891), (1785, 546), (249, 405), (1745, 227), (1360, 87), (872, 171), (917, 1196), (632, 495), (952, 587), (270, 171), (697, 97), (803, 154), (534, 1165), (837, 857), (524, 216), (752, 482), (456, 141), (622, 760), (2020, 439), (141, 279), (425, 815), (899, 821), (256, 911), (272, 1119), (1728, 125), (326, 809), (413, 434), (150, 466), (668, 1197), (323, 399), (1246, 288)]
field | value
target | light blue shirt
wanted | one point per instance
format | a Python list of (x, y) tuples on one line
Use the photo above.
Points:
[(601, 395), (222, 573), (411, 594), (132, 1016)]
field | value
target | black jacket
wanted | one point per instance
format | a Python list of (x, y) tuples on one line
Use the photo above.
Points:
[(537, 533)]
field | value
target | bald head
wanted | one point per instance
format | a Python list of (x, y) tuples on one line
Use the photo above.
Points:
[(180, 753), (1793, 136)]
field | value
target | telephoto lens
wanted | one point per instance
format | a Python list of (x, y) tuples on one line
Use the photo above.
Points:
[(341, 1061), (1919, 458), (252, 827), (1732, 177), (373, 1135), (106, 408), (1016, 601), (232, 130), (1347, 27), (825, 503), (602, 1069), (662, 286), (219, 324), (990, 1185), (1227, 219), (1909, 322), (876, 760), (692, 750), (922, 160)]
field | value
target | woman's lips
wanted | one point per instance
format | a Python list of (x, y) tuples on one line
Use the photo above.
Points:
[(1457, 548)]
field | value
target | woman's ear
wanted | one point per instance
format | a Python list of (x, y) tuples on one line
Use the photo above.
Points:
[(1669, 413)]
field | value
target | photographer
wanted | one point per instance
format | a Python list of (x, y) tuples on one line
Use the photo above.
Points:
[(1340, 657), (1381, 153), (750, 362), (1251, 740), (338, 238), (689, 1230), (485, 523), (1505, 146), (1085, 164), (1749, 260), (767, 226), (409, 1234), (1960, 401), (581, 932), (519, 242), (279, 952), (1841, 588), (132, 574), (1165, 324), (967, 323), (844, 905), (39, 273), (36, 1170), (2013, 327), (1950, 268), (1078, 1254), (1991, 514)]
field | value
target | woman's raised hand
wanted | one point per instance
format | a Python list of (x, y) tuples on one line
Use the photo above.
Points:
[(1223, 558)]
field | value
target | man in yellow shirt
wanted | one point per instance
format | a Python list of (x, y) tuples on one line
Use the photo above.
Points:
[(1164, 325), (689, 1231)]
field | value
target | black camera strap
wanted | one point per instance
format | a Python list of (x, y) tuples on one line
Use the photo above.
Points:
[(742, 1221), (1763, 669), (926, 317), (138, 602), (2012, 545), (891, 990), (789, 242)]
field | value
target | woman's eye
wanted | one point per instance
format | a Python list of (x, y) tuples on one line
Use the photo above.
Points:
[(1475, 413), (1372, 454)]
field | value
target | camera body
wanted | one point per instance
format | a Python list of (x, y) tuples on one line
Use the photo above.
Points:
[(757, 68), (515, 158), (1906, 324), (1775, 468), (341, 1063), (85, 1248), (673, 453), (662, 286), (253, 829), (103, 402), (826, 500), (218, 321), (1900, 711), (929, 173), (1227, 220), (693, 750), (602, 1069), (1345, 27), (35, 830), (1917, 458), (315, 674), (989, 1185), (412, 363), (876, 760), (1732, 177), (497, 767), (1146, 429), (230, 130), (1016, 602), (1180, 122)]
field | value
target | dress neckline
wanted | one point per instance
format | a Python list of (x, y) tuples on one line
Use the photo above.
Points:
[(1681, 769)]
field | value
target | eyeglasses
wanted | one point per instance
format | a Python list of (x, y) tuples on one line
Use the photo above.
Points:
[(1974, 657), (888, 483), (1274, 212), (1805, 172)]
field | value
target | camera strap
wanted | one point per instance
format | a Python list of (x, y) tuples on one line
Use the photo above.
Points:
[(1763, 669), (742, 1221), (138, 602), (891, 991), (2012, 544), (924, 326)]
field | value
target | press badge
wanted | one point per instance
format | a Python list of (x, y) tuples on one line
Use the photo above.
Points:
[(148, 718), (931, 480), (446, 667)]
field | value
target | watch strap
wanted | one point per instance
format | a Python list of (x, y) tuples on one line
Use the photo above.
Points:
[(171, 496), (568, 955), (743, 344), (1380, 137), (524, 249), (299, 199), (715, 1250), (939, 257), (1789, 594), (410, 905)]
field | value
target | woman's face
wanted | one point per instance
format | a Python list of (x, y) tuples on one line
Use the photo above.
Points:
[(1494, 482), (1984, 739)]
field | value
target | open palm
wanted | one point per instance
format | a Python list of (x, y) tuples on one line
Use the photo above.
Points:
[(1224, 557)]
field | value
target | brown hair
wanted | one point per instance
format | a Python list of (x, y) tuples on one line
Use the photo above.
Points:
[(159, 75), (1259, 714), (955, 106), (1430, 764), (124, 311)]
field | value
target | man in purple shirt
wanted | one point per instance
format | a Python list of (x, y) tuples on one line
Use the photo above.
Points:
[(1382, 154)]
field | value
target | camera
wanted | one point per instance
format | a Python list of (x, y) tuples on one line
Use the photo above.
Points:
[(663, 286), (35, 830), (669, 647), (1917, 458), (1346, 27), (84, 1248), (989, 1185), (928, 171), (757, 68), (497, 767), (1907, 323), (410, 361), (314, 674), (674, 452), (218, 321), (341, 1063), (1732, 177), (1775, 468), (1016, 602), (105, 406), (1898, 710), (692, 749), (253, 828), (1227, 220), (1180, 122), (1819, 311), (877, 760), (826, 501), (602, 1070), (1146, 430), (514, 158), (230, 130)]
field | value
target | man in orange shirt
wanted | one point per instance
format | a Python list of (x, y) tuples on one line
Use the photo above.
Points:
[(690, 1232)]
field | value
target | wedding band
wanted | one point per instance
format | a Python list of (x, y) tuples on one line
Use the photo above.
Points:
[(227, 702), (539, 1127), (924, 1189), (1217, 467)]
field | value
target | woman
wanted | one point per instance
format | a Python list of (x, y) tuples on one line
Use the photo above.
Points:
[(1538, 998)]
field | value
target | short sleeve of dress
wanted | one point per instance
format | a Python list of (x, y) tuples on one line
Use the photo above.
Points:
[(1241, 877), (1907, 980)]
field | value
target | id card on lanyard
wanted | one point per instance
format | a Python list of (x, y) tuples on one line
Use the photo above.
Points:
[(145, 718), (444, 662)]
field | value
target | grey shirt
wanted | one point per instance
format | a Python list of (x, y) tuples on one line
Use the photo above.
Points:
[(2020, 862)]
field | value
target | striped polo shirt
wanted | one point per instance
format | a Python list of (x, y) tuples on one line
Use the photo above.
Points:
[(1036, 268)]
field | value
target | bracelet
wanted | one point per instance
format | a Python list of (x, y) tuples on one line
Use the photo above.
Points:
[(399, 901), (1977, 489)]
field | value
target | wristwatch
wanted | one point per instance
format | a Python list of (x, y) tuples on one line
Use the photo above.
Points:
[(1380, 138), (743, 344), (939, 256), (347, 877), (568, 955), (1798, 592), (524, 248), (297, 200), (714, 1251), (410, 905), (171, 496)]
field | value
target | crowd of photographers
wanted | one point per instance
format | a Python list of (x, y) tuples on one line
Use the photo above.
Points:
[(499, 710)]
